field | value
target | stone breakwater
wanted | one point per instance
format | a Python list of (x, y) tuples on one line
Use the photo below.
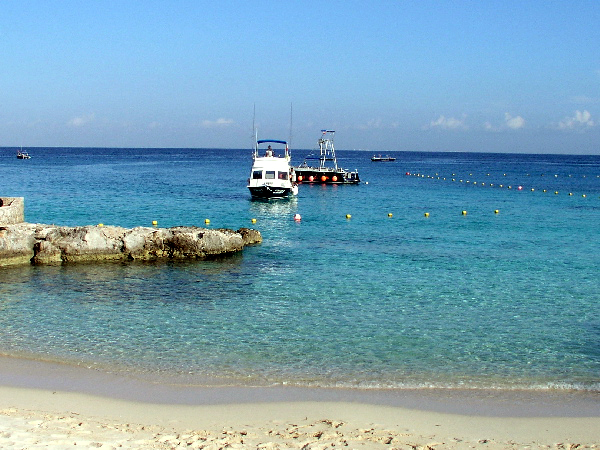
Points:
[(26, 243)]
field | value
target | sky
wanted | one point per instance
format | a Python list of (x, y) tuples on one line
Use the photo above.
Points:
[(473, 76)]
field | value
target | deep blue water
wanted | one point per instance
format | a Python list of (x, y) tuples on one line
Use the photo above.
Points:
[(492, 300)]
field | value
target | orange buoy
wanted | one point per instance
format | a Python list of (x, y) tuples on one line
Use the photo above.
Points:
[(334, 178), (323, 178), (300, 178), (311, 178)]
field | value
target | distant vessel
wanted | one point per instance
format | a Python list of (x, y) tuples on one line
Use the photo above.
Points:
[(271, 175), (382, 158), (323, 173), (23, 155)]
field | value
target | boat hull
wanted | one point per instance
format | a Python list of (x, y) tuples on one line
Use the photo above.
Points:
[(325, 176), (269, 191)]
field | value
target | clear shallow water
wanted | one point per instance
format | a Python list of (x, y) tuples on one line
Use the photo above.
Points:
[(483, 300)]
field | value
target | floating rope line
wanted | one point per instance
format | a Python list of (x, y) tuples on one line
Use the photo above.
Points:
[(467, 181)]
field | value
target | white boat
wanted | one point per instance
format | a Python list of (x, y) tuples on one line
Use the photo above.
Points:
[(271, 175), (23, 155)]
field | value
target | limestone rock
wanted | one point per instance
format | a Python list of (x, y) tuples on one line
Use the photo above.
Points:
[(50, 244)]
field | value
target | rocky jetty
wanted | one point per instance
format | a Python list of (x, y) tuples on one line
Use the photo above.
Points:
[(26, 243)]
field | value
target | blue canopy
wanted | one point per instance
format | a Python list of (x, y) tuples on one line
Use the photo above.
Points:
[(262, 141)]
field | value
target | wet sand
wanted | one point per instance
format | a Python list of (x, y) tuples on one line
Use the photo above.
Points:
[(58, 406)]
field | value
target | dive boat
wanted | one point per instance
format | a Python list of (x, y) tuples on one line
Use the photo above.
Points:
[(271, 175), (324, 173), (23, 155), (383, 158)]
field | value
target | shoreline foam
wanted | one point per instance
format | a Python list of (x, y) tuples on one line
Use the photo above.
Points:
[(34, 374)]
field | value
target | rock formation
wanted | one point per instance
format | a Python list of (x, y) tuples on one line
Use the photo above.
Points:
[(26, 243)]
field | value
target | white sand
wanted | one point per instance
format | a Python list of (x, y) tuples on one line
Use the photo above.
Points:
[(35, 418)]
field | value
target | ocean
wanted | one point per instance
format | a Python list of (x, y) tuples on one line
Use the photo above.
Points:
[(439, 270)]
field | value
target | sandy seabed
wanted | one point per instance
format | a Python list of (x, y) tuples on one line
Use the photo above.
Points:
[(48, 405)]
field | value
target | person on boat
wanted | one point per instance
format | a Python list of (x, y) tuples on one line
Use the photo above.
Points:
[(269, 151)]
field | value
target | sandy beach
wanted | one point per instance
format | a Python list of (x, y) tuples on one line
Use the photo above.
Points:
[(42, 418), (53, 405)]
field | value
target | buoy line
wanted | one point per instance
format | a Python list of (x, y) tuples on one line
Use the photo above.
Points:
[(466, 181)]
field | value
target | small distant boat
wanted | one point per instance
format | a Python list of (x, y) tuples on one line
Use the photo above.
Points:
[(324, 173), (23, 155), (382, 158), (271, 175)]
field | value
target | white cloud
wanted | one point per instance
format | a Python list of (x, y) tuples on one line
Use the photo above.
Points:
[(489, 127), (510, 122), (448, 123), (217, 123), (581, 120), (514, 123), (81, 121)]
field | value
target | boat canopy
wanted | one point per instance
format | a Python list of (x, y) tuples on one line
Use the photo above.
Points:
[(262, 141)]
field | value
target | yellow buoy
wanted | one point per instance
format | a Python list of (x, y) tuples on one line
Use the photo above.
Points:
[(583, 195), (464, 213), (570, 193), (390, 214), (496, 211), (207, 221), (253, 220), (100, 224), (154, 222), (348, 216), (426, 214), (556, 192)]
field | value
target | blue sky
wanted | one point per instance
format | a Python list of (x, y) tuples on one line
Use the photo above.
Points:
[(493, 76)]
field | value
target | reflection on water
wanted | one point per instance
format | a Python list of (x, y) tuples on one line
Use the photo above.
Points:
[(277, 207)]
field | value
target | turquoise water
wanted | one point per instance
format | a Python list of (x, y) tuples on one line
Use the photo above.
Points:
[(481, 300)]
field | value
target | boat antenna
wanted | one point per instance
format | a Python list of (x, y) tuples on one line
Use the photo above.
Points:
[(291, 114), (254, 132)]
